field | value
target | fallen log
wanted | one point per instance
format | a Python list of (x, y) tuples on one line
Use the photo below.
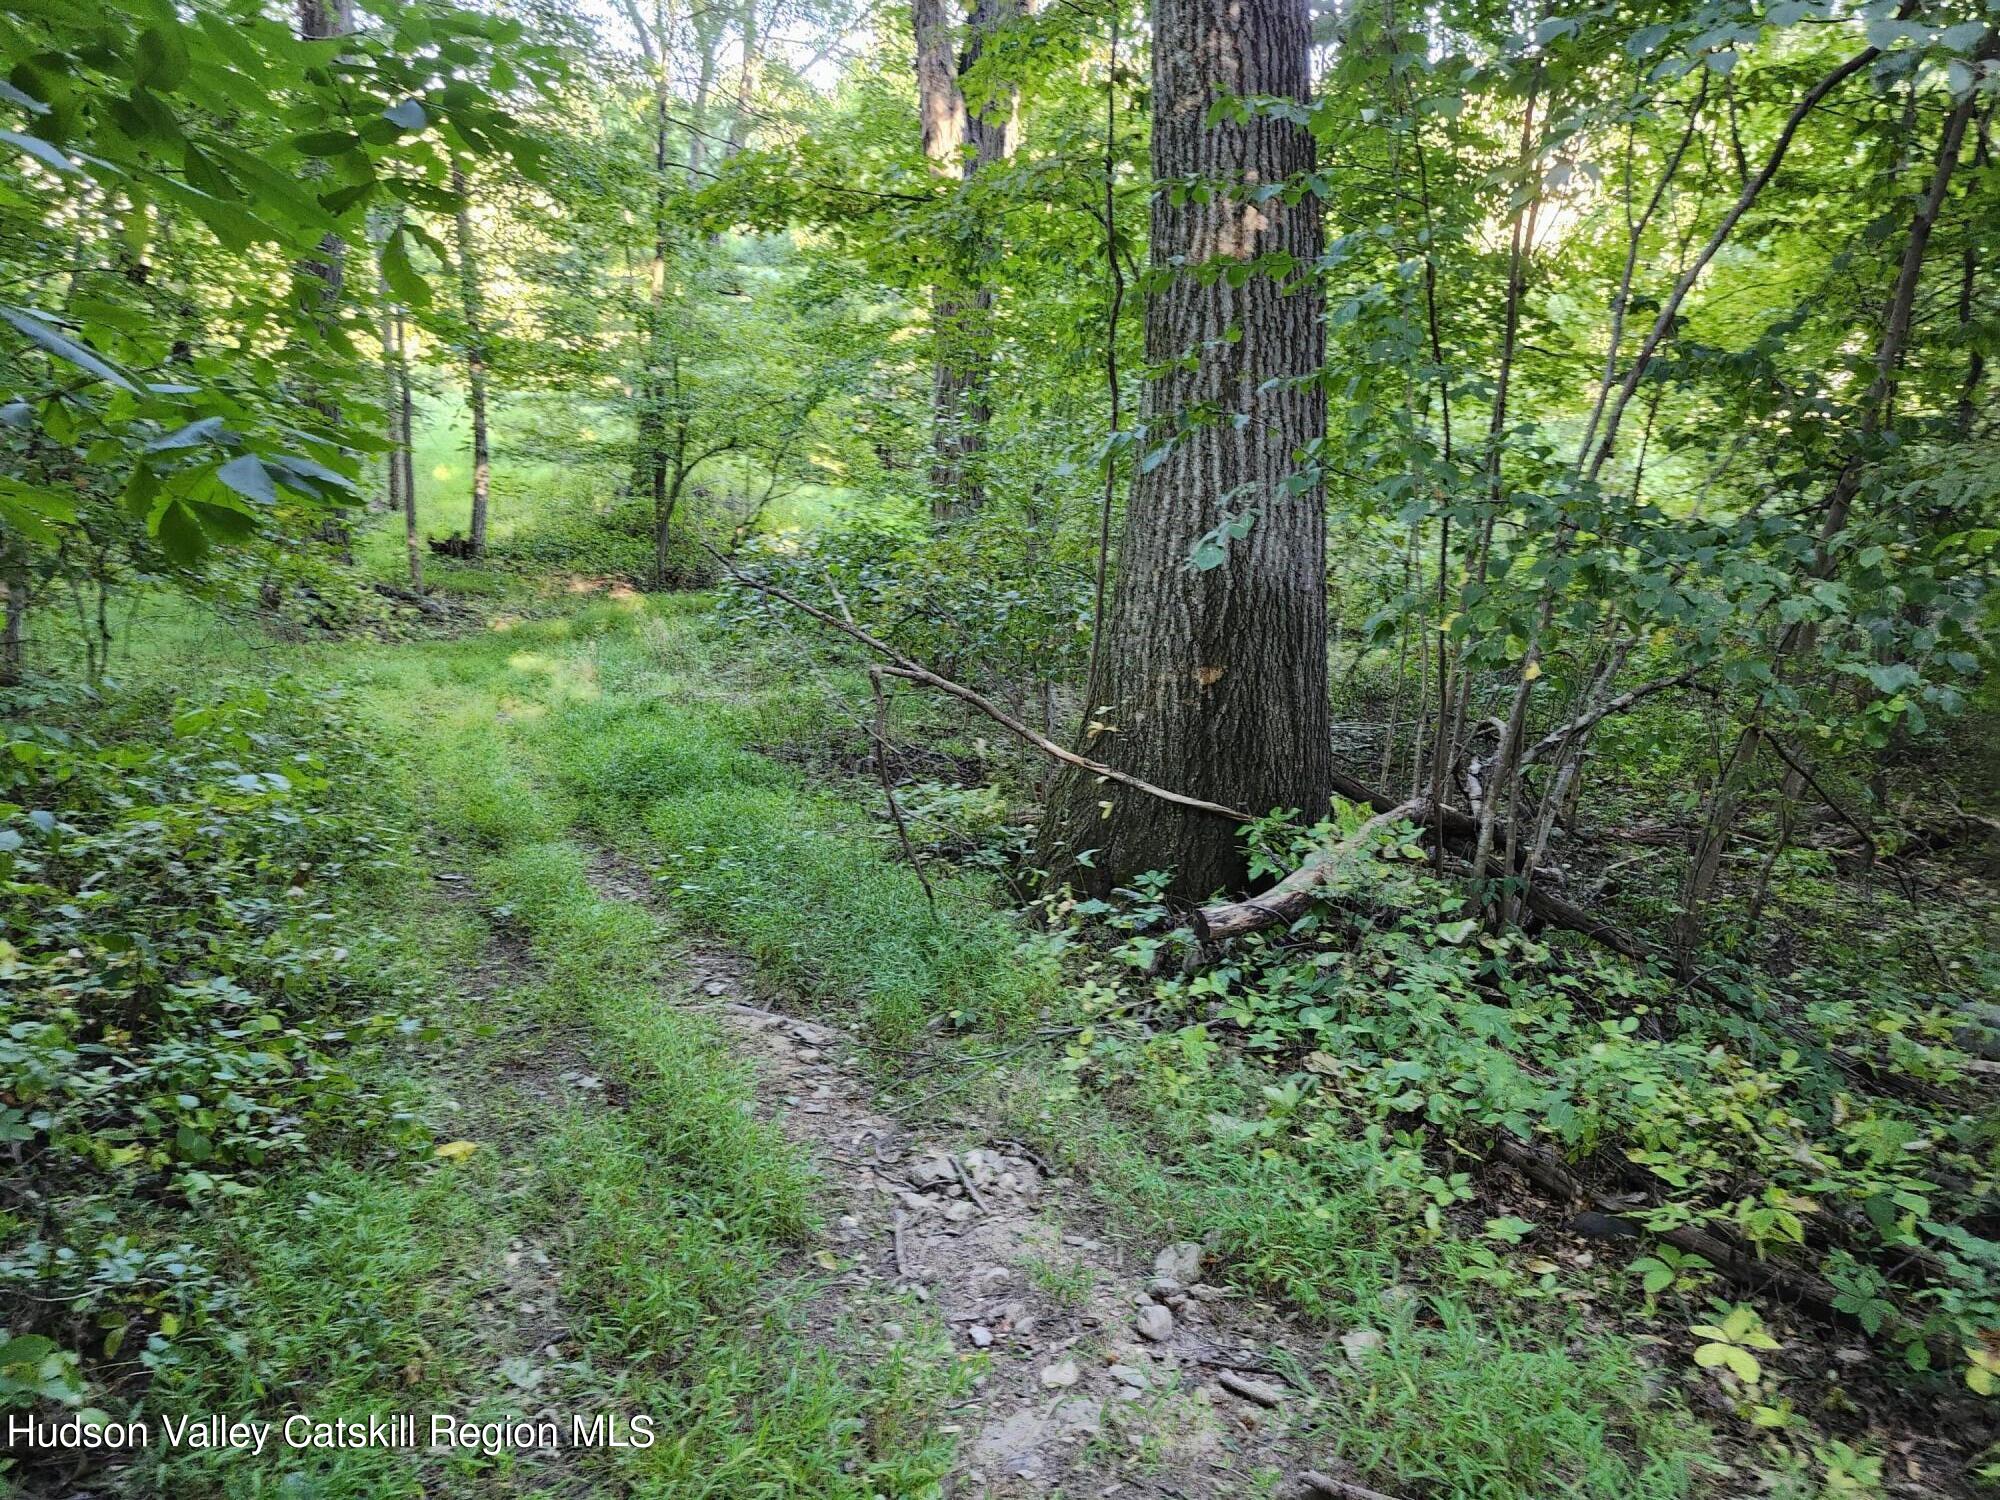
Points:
[(1800, 1288), (424, 602), (1292, 897)]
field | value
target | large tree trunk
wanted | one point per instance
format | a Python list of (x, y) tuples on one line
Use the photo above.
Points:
[(962, 305), (1214, 683), (472, 305)]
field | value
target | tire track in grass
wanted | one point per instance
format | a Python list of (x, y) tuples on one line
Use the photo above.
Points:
[(1092, 1372)]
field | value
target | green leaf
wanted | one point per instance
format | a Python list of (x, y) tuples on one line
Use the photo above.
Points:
[(31, 509), (42, 151), (180, 534), (205, 175), (1743, 1362), (400, 274), (163, 59), (192, 435), (247, 475), (27, 1349), (34, 328), (326, 143)]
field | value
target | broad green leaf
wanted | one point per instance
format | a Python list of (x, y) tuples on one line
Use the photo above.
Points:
[(326, 143), (247, 475), (180, 534), (192, 435), (400, 274), (57, 344), (163, 59)]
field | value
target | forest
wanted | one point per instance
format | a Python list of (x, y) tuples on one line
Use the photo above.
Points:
[(1016, 748)]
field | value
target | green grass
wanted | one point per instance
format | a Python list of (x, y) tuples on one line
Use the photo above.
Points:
[(677, 1222), (680, 1218)]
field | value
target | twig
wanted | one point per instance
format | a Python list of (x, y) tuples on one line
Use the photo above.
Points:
[(1316, 1483), (1027, 1153), (965, 1177), (903, 1270), (881, 733), (1249, 1390)]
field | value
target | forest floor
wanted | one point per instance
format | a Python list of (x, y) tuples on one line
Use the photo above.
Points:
[(732, 1130)]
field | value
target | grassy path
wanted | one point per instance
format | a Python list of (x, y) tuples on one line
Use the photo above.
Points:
[(895, 1270)]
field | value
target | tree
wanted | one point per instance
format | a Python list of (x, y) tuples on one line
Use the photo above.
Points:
[(1212, 680), (471, 308), (963, 137)]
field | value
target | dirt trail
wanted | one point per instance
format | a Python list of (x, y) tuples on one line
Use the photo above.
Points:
[(498, 1100), (1108, 1374)]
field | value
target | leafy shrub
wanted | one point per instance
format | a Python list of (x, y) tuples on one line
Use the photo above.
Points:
[(180, 1012), (614, 539), (961, 603), (1390, 1011)]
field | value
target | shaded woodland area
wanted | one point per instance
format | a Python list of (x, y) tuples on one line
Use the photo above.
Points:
[(1394, 606)]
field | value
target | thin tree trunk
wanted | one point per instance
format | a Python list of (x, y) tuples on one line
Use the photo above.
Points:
[(325, 273), (746, 77), (412, 543), (13, 654), (1214, 682), (391, 408), (472, 305), (1877, 405), (1116, 273), (651, 461)]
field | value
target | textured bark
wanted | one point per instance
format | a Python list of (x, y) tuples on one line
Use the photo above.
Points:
[(1215, 683), (412, 547), (962, 138), (13, 633), (940, 106), (472, 305)]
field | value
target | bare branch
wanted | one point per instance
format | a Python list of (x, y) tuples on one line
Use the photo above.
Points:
[(915, 671)]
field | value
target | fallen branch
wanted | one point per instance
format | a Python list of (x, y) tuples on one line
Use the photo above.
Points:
[(424, 602), (1314, 1485), (1800, 1288), (1292, 897), (1555, 738), (881, 733), (972, 1191), (915, 671)]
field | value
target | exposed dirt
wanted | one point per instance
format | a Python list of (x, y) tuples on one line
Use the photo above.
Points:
[(1106, 1373)]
